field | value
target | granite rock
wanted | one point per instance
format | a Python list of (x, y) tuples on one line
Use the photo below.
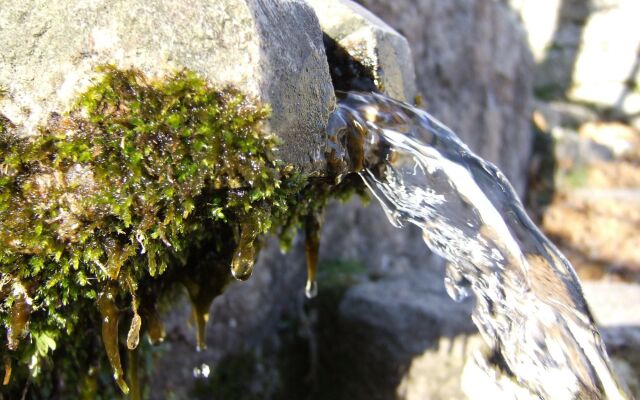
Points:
[(272, 51), (370, 42)]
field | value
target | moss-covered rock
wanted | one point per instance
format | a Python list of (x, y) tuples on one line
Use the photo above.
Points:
[(143, 185)]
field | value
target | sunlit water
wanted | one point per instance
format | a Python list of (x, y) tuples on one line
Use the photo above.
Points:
[(529, 303)]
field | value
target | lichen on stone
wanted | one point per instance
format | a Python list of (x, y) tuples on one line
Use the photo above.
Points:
[(143, 185)]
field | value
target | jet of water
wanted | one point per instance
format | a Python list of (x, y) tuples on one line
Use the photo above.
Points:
[(529, 302)]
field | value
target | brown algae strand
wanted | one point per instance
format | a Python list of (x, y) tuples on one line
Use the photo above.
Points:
[(19, 318), (245, 254), (7, 371), (311, 246), (133, 336), (208, 280), (201, 317), (109, 312), (201, 296)]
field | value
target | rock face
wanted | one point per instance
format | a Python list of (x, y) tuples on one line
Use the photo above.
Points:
[(473, 70), (270, 50)]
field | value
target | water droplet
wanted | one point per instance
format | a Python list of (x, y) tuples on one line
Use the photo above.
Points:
[(245, 254), (456, 292), (202, 371), (311, 289), (133, 336), (311, 246)]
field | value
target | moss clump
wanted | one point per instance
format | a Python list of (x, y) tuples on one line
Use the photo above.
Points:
[(143, 185)]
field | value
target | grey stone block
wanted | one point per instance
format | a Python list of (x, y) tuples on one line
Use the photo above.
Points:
[(271, 50), (371, 42)]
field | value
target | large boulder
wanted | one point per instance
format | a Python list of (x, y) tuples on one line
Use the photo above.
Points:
[(389, 323), (613, 307), (272, 51), (619, 323)]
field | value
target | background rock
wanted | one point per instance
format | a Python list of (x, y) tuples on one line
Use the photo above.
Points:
[(585, 187), (613, 307), (586, 49), (390, 322), (270, 50), (619, 323)]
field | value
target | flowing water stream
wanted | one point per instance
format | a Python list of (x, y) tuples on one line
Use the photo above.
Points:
[(529, 303)]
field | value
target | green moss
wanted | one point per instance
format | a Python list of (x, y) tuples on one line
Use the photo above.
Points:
[(143, 186)]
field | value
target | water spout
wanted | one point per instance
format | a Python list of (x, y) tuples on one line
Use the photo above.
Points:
[(529, 302)]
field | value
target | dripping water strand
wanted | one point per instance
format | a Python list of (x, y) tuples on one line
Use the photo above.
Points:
[(311, 246), (7, 370), (529, 302), (245, 255), (110, 315), (19, 316), (133, 335)]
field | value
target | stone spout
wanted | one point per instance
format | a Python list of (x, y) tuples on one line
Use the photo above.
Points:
[(271, 50)]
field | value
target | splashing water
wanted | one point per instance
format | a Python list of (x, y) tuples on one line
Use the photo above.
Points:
[(529, 303)]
